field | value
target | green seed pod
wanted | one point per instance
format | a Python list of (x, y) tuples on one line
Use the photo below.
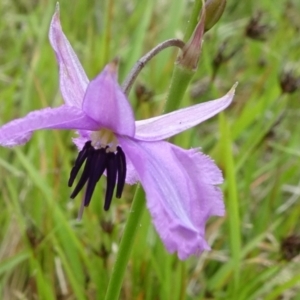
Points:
[(213, 12)]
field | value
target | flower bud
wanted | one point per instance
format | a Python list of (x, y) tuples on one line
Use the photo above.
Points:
[(191, 51), (213, 12)]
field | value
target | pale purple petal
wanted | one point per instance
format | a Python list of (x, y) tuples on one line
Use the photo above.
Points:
[(132, 176), (180, 192), (105, 102), (19, 131), (73, 80), (165, 126), (204, 175)]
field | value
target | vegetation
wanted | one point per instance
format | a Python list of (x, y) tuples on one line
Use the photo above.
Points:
[(45, 253)]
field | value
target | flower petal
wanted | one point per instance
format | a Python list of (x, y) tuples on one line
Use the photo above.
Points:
[(106, 103), (19, 131), (165, 126), (180, 192), (73, 80)]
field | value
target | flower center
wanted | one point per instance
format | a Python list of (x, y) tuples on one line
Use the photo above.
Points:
[(100, 154), (103, 138)]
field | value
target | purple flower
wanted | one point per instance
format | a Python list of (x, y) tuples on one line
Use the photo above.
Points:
[(179, 184)]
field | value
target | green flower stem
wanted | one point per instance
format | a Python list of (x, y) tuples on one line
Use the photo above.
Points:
[(182, 76), (180, 81), (133, 221), (193, 19)]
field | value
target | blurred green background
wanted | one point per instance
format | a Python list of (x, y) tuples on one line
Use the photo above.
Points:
[(45, 253)]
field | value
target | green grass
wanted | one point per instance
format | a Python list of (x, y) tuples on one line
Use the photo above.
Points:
[(46, 254)]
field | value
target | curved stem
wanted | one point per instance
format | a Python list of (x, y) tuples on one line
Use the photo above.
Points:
[(132, 224), (128, 82)]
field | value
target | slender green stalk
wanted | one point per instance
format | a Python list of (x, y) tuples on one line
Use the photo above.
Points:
[(179, 82), (186, 65), (193, 19), (137, 209)]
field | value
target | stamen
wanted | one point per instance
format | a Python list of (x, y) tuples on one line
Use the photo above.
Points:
[(111, 178), (112, 159), (121, 167), (85, 174), (99, 166), (78, 162)]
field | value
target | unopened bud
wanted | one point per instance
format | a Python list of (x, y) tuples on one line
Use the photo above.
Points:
[(191, 51), (213, 11)]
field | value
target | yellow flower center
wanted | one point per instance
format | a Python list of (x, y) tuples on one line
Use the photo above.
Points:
[(103, 138)]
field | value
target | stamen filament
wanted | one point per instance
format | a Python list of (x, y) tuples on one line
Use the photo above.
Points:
[(111, 179), (78, 162), (121, 165), (85, 174), (96, 173)]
